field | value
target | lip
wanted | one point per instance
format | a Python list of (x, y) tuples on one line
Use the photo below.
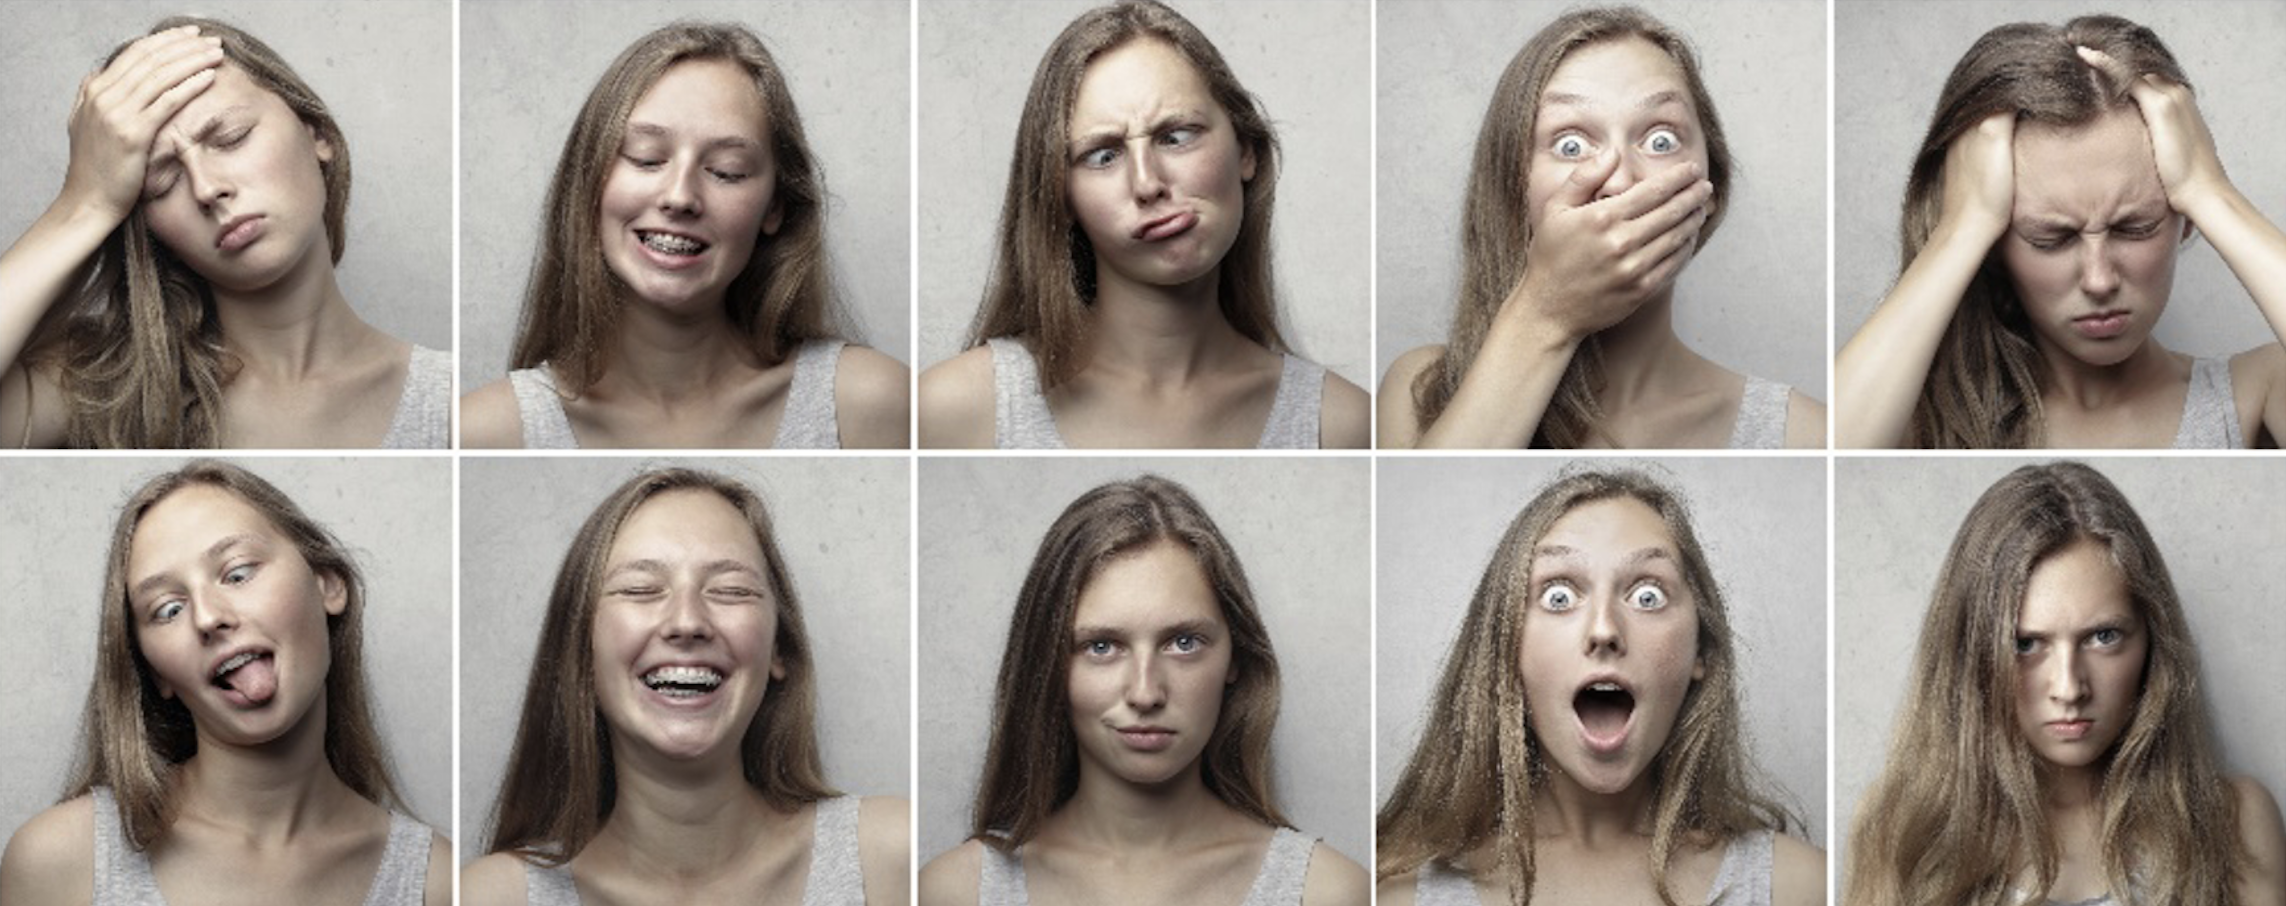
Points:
[(662, 260), (1167, 227), (2103, 325), (215, 665), (701, 700), (1146, 738), (2069, 730), (1612, 743), (240, 232)]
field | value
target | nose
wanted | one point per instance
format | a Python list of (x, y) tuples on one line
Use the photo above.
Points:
[(1144, 173), (1605, 634), (687, 618), (682, 193), (207, 182), (2067, 677), (212, 613), (2099, 272), (1146, 685), (1623, 177)]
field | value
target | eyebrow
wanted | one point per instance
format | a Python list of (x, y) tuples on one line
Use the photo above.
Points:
[(1195, 627), (654, 130), (1641, 556), (709, 568), (2122, 621), (1649, 101), (205, 131), (213, 552), (1092, 136)]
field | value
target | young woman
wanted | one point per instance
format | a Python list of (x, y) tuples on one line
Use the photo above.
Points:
[(2053, 745), (180, 290), (228, 751), (1131, 303), (1583, 745), (1600, 170), (668, 751), (681, 296), (1130, 753), (2062, 172)]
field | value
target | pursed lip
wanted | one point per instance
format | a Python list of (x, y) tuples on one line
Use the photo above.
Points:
[(1163, 226), (2071, 728), (224, 237)]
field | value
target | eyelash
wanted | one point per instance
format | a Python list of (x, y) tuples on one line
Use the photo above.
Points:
[(2102, 637), (2129, 231), (650, 164), (1103, 648), (1172, 137), (1555, 147), (1556, 585)]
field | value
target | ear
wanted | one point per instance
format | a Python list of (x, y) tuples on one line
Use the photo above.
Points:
[(772, 218), (324, 148), (777, 668), (1246, 163), (336, 593), (166, 689), (1698, 669)]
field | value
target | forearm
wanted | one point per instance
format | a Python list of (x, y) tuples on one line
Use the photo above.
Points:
[(1507, 388), (1879, 373), (2252, 246), (44, 264)]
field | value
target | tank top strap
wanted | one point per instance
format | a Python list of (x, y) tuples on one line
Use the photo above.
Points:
[(404, 873), (546, 427), (122, 872), (1745, 876), (837, 877), (1435, 884), (424, 408), (1002, 878), (2210, 410), (1284, 867), (549, 885), (809, 422), (1020, 416), (1761, 423), (1293, 421)]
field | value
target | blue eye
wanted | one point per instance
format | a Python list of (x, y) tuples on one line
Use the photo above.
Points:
[(2026, 645), (1662, 141), (167, 612), (1570, 147), (2105, 638), (1559, 598), (1187, 643), (1179, 136), (1097, 648), (1647, 597), (238, 575), (1099, 158)]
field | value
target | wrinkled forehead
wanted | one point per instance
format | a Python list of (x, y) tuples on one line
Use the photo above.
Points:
[(1617, 74), (2097, 169), (1141, 75), (233, 92)]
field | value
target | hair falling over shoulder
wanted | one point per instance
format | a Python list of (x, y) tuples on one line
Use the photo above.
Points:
[(132, 738), (1467, 792), (1957, 814), (1031, 767), (1983, 388)]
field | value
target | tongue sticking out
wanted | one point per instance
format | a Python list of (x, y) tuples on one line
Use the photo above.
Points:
[(1604, 716), (255, 682)]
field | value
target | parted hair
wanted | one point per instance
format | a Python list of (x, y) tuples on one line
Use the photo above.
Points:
[(1983, 388), (1496, 219), (132, 738), (784, 295), (560, 784), (1470, 783), (1957, 813), (1031, 767), (1043, 275), (139, 349)]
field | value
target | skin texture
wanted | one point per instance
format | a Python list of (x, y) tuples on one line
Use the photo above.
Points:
[(1150, 652), (695, 163), (233, 152), (2091, 234), (2080, 649)]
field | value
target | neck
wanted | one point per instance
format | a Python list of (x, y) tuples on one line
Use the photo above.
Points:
[(1162, 334), (1563, 808), (268, 792), (1641, 355), (2070, 381), (1113, 814), (2070, 790), (667, 358), (681, 820), (293, 327)]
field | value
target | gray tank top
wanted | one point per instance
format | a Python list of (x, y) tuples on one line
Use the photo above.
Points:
[(807, 424), (836, 877), (2210, 413), (1743, 879), (123, 874), (1021, 421), (424, 410), (1278, 883), (1761, 421)]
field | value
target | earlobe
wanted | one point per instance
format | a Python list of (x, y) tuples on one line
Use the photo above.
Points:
[(1698, 669), (1246, 165), (336, 593), (324, 148), (777, 669), (775, 216)]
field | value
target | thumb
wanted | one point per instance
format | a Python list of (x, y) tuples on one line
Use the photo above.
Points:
[(1580, 188)]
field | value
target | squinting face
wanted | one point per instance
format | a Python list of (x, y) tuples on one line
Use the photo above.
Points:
[(1610, 642), (685, 641), (2091, 248), (691, 190), (1150, 659), (1623, 97), (2080, 652), (229, 616), (234, 188), (1156, 175)]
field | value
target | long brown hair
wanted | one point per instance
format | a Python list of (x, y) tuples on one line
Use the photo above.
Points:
[(1472, 777), (785, 294), (132, 738), (1983, 389), (1496, 224), (141, 353), (1043, 277), (1032, 765), (1957, 812), (560, 785)]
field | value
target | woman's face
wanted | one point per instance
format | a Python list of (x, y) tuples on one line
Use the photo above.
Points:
[(1623, 97), (1156, 173), (691, 191), (234, 188), (2080, 653), (1150, 659), (1610, 642), (2091, 246), (685, 642), (229, 616)]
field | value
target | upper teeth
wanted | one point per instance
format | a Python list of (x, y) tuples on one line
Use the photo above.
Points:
[(236, 662), (1603, 687), (683, 676), (673, 244)]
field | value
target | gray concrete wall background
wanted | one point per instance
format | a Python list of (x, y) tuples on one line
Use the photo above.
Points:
[(384, 69), (527, 65), (1752, 300), (56, 515), (1299, 527), (842, 527)]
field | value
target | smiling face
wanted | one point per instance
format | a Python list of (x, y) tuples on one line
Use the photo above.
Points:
[(689, 194), (2091, 249), (685, 628), (230, 618), (2080, 653), (1622, 97), (1610, 642), (1156, 173), (234, 187), (1150, 660)]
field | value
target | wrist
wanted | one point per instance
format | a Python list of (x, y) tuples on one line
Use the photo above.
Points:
[(1522, 324)]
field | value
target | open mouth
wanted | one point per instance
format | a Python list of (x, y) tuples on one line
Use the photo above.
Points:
[(251, 676), (670, 243), (1604, 710), (683, 682)]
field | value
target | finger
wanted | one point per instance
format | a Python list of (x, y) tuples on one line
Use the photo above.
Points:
[(136, 63), (1580, 187), (1655, 192), (172, 75), (1672, 250), (171, 101)]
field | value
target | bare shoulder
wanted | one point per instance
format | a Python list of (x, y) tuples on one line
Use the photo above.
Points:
[(490, 419), (1396, 890), (2258, 381), (956, 401), (32, 406), (1399, 420), (952, 878), (1805, 422), (1344, 419), (1334, 880), (1797, 872), (872, 399), (2263, 834), (437, 889), (51, 859), (885, 847), (496, 879)]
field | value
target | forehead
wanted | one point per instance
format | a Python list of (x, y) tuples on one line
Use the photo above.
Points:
[(1610, 527), (1136, 79), (1615, 73), (232, 88), (1158, 584), (186, 522), (2090, 170), (692, 522), (2075, 586), (704, 99)]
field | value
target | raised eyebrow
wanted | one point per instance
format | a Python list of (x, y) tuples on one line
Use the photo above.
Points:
[(1661, 99)]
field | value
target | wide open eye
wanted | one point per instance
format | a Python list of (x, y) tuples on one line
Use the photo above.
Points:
[(1663, 141), (1569, 146), (1647, 597), (1559, 598)]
